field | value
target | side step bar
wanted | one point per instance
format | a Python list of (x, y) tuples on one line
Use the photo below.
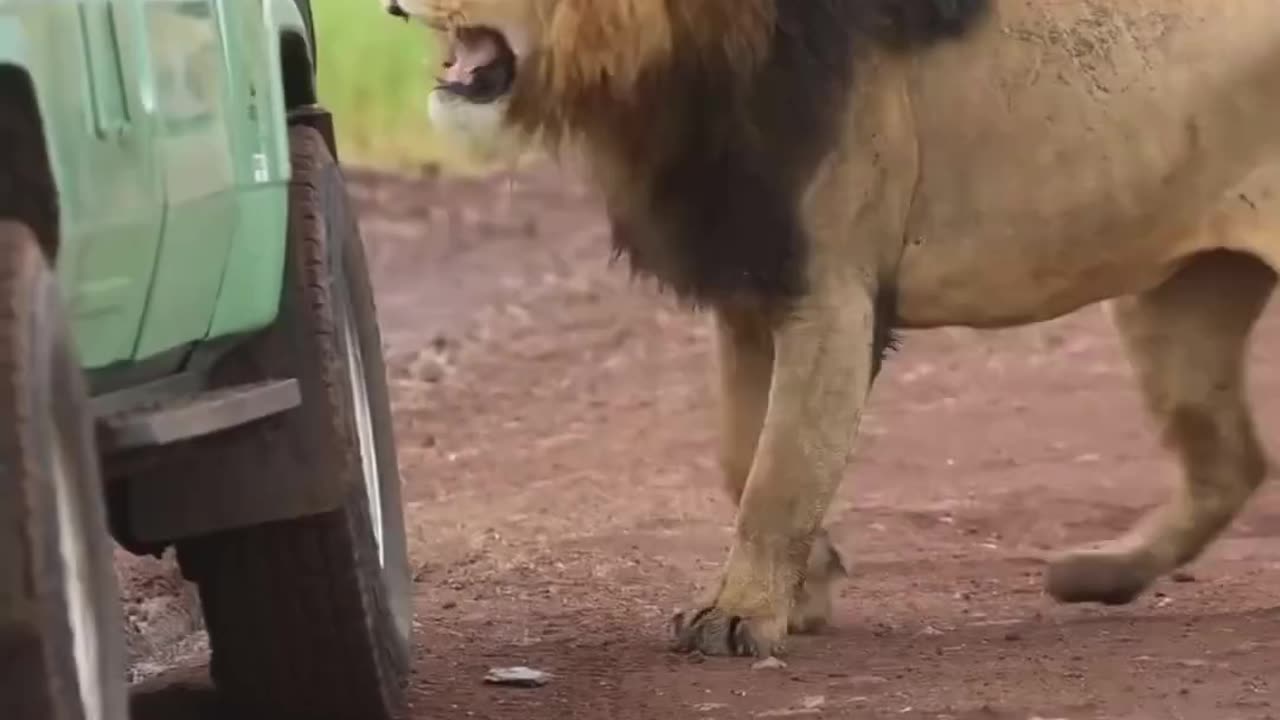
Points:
[(181, 417)]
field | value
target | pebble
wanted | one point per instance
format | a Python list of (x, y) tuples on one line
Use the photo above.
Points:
[(519, 676), (788, 712)]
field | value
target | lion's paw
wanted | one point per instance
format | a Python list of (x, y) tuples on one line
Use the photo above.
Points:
[(712, 631), (1110, 577)]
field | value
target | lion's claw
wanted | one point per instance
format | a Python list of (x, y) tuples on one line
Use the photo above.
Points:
[(712, 631)]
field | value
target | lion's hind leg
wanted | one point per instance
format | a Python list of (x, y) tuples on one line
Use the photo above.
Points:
[(1187, 340), (811, 610)]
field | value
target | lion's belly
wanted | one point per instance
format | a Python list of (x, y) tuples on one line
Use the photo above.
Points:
[(1072, 154)]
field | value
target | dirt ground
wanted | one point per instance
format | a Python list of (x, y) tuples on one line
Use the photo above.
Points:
[(555, 424)]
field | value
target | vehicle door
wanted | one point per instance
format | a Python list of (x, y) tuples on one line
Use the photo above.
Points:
[(100, 111), (194, 148)]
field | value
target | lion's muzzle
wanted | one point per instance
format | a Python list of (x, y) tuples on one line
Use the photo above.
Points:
[(479, 65)]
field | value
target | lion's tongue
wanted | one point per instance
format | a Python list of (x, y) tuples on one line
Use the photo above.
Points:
[(468, 53)]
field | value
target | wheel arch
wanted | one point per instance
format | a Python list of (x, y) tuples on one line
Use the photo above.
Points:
[(292, 25), (295, 48), (28, 191)]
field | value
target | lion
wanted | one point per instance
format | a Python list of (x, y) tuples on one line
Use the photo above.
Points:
[(820, 173)]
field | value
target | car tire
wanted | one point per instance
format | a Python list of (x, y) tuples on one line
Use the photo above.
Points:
[(62, 651), (310, 617)]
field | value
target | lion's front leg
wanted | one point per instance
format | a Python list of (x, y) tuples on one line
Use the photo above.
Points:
[(821, 371), (744, 341)]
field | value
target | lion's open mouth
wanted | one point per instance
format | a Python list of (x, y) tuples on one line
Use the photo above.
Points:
[(479, 65)]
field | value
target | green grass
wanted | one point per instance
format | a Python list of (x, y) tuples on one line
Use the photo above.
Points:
[(375, 72)]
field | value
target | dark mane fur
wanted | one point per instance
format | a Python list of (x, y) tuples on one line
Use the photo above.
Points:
[(707, 158)]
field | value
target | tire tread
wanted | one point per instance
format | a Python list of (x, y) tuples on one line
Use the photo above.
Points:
[(297, 616)]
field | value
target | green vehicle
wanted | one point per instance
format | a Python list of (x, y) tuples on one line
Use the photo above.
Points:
[(189, 358)]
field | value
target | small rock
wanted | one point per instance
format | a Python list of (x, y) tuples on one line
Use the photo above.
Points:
[(1013, 636), (1182, 576), (929, 631), (709, 707), (769, 663), (813, 701), (519, 676), (429, 371), (993, 623), (788, 712)]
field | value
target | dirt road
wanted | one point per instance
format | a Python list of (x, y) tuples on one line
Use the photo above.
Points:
[(556, 435)]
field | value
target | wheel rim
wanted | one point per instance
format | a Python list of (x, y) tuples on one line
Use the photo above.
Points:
[(76, 551), (363, 417)]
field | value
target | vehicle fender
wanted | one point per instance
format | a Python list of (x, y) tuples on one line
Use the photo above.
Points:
[(291, 31), (255, 262)]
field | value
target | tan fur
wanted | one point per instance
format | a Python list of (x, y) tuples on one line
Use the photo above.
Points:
[(1062, 154)]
